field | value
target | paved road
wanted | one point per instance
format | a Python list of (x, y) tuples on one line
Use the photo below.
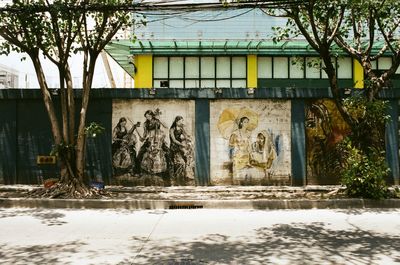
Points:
[(199, 236)]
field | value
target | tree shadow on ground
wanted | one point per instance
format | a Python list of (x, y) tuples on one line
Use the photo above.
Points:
[(358, 211), (38, 254), (296, 243), (50, 217)]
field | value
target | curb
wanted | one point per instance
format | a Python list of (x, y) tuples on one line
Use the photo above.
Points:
[(260, 204)]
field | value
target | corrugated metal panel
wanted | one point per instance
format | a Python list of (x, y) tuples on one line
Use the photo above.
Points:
[(241, 24), (8, 134)]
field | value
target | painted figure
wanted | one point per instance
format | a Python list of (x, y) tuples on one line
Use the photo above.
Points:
[(325, 129), (124, 147), (239, 144), (181, 152), (263, 151), (153, 156)]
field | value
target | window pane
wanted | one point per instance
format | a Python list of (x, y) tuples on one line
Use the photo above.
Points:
[(345, 70), (313, 67), (239, 67), (398, 70), (156, 84), (207, 67), (160, 67), (384, 63), (176, 83), (223, 67), (296, 67), (374, 65), (264, 67), (207, 83), (239, 83), (160, 83), (223, 83), (280, 67), (192, 67), (192, 83), (176, 67)]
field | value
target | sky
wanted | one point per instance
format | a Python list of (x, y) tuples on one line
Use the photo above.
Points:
[(27, 75), (249, 25)]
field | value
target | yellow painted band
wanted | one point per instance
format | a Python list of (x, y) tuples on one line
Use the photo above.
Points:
[(252, 71), (358, 75), (144, 71)]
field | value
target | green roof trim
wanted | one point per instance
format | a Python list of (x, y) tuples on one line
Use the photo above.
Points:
[(219, 47), (122, 50)]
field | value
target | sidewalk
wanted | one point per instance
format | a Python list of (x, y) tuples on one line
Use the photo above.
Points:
[(199, 237), (211, 197)]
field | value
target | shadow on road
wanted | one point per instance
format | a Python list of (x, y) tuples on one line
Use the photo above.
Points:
[(39, 254), (281, 244), (48, 217)]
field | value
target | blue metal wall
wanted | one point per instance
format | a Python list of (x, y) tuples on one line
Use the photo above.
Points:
[(25, 129), (8, 141)]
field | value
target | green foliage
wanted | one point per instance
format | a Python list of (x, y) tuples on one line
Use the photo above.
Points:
[(365, 174), (94, 129), (62, 150), (370, 112), (365, 169), (60, 27), (369, 119)]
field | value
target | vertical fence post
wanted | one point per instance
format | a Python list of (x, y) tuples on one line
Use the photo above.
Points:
[(298, 143), (202, 118)]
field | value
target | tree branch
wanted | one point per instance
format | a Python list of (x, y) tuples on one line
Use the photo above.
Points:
[(337, 26)]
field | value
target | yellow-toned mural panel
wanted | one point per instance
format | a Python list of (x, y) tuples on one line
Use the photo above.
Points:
[(250, 142), (325, 129)]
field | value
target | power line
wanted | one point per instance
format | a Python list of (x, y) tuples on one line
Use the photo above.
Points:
[(152, 6)]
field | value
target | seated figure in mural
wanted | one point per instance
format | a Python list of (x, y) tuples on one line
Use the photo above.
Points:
[(239, 144), (181, 152), (124, 147), (153, 156), (263, 151)]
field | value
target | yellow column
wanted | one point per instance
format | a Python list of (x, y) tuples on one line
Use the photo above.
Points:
[(358, 75), (144, 71), (252, 71)]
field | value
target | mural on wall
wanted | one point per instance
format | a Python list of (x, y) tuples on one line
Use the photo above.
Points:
[(250, 142), (325, 129), (153, 142)]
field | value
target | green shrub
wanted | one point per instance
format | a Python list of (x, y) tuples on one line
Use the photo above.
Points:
[(364, 175)]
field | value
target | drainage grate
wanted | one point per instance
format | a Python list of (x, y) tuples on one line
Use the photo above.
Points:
[(185, 206)]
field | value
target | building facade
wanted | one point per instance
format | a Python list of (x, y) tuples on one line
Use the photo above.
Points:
[(8, 77), (213, 103), (240, 75)]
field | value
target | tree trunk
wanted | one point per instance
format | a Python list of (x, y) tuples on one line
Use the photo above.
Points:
[(334, 86), (70, 104), (64, 110), (81, 139), (48, 101)]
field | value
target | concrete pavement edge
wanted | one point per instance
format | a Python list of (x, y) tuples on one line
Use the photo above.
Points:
[(259, 204)]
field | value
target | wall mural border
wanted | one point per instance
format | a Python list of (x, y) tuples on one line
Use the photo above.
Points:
[(153, 142), (250, 142)]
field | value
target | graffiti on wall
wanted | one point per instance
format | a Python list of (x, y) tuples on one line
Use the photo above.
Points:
[(250, 142), (153, 142), (325, 129)]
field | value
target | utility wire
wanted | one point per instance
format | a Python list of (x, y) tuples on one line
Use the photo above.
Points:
[(152, 6)]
